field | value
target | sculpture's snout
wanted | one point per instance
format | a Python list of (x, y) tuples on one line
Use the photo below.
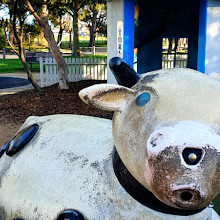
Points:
[(187, 197), (184, 157)]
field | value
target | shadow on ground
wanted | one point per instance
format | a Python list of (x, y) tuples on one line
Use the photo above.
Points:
[(11, 82)]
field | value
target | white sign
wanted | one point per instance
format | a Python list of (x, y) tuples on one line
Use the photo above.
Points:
[(120, 39)]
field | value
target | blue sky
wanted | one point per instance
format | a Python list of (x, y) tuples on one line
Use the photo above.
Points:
[(4, 13)]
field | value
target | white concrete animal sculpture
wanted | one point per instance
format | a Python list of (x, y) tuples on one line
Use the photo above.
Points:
[(165, 163)]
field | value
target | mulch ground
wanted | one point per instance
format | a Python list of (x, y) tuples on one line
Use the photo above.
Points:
[(15, 108)]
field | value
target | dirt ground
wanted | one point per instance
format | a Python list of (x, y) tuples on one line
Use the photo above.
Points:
[(15, 108)]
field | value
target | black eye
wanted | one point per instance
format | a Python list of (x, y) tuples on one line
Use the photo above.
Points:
[(143, 99), (192, 155), (21, 139), (70, 215)]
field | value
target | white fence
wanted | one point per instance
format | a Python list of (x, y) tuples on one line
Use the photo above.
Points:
[(78, 69), (169, 61), (180, 63)]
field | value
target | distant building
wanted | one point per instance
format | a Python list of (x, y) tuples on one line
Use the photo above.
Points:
[(165, 34)]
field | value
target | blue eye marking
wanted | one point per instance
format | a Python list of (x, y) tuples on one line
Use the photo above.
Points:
[(143, 99), (71, 215), (21, 139)]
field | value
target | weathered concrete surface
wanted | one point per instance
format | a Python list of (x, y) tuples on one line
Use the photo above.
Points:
[(68, 165)]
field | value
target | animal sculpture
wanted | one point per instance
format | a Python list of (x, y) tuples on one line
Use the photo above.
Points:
[(162, 162)]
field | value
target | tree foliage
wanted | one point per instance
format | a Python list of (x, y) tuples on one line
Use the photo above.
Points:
[(2, 34), (18, 16), (94, 14)]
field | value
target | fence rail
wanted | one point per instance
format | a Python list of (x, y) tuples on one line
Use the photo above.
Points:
[(180, 63), (172, 60), (78, 69)]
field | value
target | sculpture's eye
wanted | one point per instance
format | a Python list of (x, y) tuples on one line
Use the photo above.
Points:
[(192, 155), (143, 99), (21, 139), (70, 215)]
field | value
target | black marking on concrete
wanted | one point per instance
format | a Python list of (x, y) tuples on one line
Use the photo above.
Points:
[(3, 214), (70, 215), (21, 139), (149, 78), (4, 148), (187, 151)]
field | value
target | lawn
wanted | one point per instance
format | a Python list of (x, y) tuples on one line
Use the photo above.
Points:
[(84, 42), (15, 65), (216, 203)]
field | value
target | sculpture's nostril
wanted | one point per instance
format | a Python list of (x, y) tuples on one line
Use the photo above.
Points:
[(186, 196)]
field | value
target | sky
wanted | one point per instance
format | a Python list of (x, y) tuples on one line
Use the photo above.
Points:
[(4, 13)]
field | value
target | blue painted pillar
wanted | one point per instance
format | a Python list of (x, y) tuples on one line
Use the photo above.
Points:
[(128, 52), (202, 36)]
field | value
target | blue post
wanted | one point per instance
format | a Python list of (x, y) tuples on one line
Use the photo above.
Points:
[(128, 53), (202, 36)]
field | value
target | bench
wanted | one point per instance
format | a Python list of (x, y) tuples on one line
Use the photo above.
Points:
[(34, 57)]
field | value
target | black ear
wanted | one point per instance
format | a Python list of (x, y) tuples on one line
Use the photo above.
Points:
[(124, 74)]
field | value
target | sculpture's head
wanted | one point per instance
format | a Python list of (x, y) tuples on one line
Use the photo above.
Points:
[(166, 130)]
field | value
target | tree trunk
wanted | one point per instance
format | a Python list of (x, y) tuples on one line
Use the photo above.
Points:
[(48, 34), (60, 31), (62, 67), (93, 27), (30, 76), (76, 49), (11, 32), (70, 37), (170, 46)]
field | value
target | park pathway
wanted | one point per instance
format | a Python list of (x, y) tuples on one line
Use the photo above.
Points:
[(13, 78)]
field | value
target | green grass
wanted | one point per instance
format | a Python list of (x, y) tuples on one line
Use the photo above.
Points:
[(91, 56), (216, 203), (15, 65), (84, 42)]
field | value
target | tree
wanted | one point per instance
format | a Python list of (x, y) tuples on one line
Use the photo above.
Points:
[(9, 4), (48, 34), (57, 15), (33, 29), (18, 16), (73, 7), (2, 35), (76, 50), (94, 14)]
